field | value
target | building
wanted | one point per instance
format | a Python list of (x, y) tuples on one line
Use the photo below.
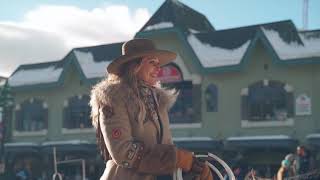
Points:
[(249, 94)]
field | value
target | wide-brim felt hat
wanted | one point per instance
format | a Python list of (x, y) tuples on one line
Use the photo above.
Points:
[(136, 48)]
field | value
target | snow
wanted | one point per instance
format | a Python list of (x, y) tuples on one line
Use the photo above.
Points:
[(293, 50), (192, 139), (213, 56), (270, 137), (90, 68), (161, 25), (193, 31), (313, 136), (35, 76)]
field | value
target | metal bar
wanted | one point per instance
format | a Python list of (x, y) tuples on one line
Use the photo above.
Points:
[(83, 169), (55, 160)]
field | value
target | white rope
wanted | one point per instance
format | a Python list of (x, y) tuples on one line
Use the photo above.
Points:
[(178, 174)]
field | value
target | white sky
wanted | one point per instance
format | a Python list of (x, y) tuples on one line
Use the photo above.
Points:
[(48, 33)]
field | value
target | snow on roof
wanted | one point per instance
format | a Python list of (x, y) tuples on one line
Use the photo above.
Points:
[(293, 50), (193, 31), (192, 139), (317, 135), (35, 76), (159, 26), (270, 137), (213, 56), (91, 68)]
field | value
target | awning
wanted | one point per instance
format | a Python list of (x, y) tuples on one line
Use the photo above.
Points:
[(197, 143), (21, 147), (313, 139), (68, 146), (261, 142)]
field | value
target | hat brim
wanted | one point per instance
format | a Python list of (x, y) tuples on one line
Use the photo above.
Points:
[(164, 57)]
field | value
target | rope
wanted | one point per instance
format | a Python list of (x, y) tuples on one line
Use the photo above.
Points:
[(178, 174)]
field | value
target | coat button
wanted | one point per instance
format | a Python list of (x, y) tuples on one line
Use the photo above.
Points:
[(134, 146), (125, 164)]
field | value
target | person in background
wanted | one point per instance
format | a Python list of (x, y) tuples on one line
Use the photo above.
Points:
[(130, 114), (291, 158), (303, 161), (283, 171)]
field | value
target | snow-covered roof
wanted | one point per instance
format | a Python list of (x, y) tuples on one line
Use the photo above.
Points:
[(173, 13), (92, 61), (263, 137), (31, 76), (91, 68), (160, 25), (215, 56), (293, 50)]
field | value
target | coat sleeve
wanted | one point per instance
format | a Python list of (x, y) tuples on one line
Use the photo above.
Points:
[(125, 150)]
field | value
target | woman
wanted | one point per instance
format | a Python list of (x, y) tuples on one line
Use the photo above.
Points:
[(130, 115), (283, 171)]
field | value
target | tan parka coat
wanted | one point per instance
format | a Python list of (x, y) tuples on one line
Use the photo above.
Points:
[(136, 149)]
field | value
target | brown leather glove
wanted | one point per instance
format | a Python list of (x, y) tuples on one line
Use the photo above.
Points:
[(184, 159), (206, 173)]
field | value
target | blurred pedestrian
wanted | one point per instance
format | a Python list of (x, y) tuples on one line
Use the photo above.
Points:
[(303, 161), (283, 171), (292, 167)]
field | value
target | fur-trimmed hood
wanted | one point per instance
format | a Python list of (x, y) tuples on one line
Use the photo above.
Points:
[(103, 93)]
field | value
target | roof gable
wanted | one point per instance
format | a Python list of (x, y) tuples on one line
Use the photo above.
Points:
[(91, 63), (40, 73), (94, 60), (173, 13), (229, 47)]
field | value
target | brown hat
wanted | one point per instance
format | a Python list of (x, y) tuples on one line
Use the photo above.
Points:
[(136, 48)]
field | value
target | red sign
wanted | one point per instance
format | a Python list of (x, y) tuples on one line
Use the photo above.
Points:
[(169, 74)]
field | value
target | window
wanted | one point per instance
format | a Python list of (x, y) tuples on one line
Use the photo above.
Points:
[(267, 100), (183, 110), (211, 97), (31, 115), (77, 113)]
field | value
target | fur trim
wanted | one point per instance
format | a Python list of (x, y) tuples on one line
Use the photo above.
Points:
[(101, 95), (103, 92), (167, 97)]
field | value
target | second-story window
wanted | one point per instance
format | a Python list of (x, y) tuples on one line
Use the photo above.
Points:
[(183, 109), (31, 115), (267, 100), (77, 113)]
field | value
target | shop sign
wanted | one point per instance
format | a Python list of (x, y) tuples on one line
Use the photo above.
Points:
[(169, 74), (303, 105)]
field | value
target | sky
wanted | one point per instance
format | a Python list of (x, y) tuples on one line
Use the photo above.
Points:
[(33, 31)]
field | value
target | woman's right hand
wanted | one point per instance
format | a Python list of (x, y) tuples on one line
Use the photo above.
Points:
[(189, 163)]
